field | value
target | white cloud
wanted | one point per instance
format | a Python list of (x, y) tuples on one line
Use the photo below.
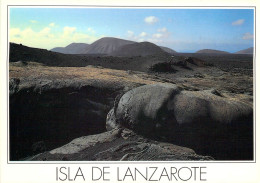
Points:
[(151, 19), (52, 24), (140, 40), (136, 37), (15, 32), (162, 29), (155, 40), (157, 35), (130, 34), (45, 31), (33, 21), (143, 34), (69, 30), (161, 36), (91, 30), (238, 22), (47, 39), (248, 36)]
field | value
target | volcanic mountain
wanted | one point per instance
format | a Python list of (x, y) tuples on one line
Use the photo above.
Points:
[(211, 51), (138, 49), (168, 50), (73, 48), (246, 51), (106, 45)]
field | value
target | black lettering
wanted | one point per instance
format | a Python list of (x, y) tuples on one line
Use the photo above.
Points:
[(182, 177), (173, 174), (56, 173), (104, 172), (118, 174), (69, 174), (63, 173), (130, 175), (150, 179), (195, 172), (80, 174), (166, 174), (95, 179), (202, 173), (146, 173)]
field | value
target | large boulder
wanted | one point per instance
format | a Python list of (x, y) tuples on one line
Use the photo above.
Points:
[(205, 121)]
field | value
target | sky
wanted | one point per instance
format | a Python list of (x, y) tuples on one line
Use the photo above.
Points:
[(184, 30)]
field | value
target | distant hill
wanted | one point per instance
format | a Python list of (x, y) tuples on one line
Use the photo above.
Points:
[(138, 49), (210, 51), (246, 51), (73, 48), (19, 52), (106, 45), (168, 50)]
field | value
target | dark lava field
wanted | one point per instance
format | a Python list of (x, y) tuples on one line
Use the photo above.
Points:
[(143, 107)]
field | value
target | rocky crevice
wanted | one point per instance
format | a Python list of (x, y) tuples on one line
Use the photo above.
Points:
[(41, 121)]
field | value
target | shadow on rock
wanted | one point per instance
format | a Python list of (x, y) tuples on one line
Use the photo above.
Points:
[(202, 120)]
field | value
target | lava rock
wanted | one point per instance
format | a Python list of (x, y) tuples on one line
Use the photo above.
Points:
[(118, 145), (203, 120)]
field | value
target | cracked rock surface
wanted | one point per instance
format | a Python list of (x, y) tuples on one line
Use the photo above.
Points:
[(119, 145)]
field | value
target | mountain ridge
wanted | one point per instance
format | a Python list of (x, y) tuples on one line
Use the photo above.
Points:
[(73, 48), (106, 45), (245, 51), (138, 49), (211, 51)]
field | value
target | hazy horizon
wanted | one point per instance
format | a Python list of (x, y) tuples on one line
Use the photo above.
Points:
[(184, 30)]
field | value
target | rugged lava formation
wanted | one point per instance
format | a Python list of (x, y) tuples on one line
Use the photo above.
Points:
[(61, 113), (43, 120), (205, 121)]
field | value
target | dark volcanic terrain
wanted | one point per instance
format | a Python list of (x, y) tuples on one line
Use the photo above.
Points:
[(106, 45), (246, 51), (73, 48), (210, 51), (100, 107), (138, 49)]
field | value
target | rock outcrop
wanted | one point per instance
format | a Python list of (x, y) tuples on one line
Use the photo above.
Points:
[(118, 145), (202, 120), (57, 105), (51, 106)]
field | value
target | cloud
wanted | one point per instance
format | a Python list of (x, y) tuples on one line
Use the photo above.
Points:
[(46, 38), (136, 37), (151, 20), (130, 34), (163, 34), (33, 21), (143, 34), (157, 35), (91, 30), (52, 24), (162, 30), (15, 32), (69, 30), (45, 32), (238, 22), (248, 36)]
